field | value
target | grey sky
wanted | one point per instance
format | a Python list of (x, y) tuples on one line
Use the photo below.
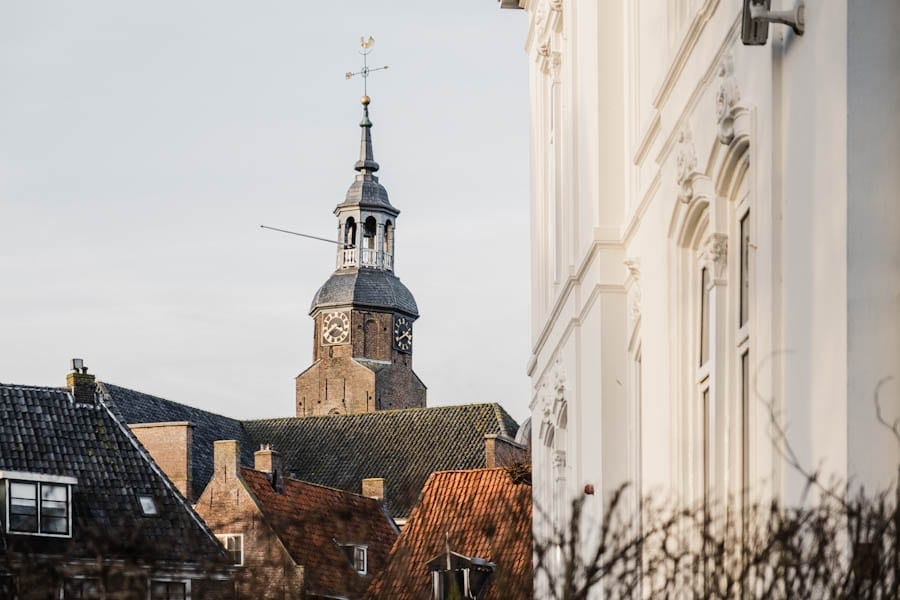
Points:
[(142, 144)]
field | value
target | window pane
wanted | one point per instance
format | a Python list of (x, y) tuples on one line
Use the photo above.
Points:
[(148, 506), (23, 490), (168, 590), (360, 562), (55, 525), (745, 429), (23, 507), (706, 443), (56, 493), (704, 316), (87, 589), (745, 271)]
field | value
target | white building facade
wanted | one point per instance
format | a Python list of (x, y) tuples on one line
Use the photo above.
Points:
[(716, 236)]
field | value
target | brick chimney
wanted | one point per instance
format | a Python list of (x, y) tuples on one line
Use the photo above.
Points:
[(82, 385), (225, 459), (373, 488), (268, 461)]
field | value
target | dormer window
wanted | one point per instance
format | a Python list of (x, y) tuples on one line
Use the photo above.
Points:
[(358, 555), (37, 504)]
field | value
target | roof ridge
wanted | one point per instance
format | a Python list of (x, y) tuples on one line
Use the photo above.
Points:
[(493, 405), (167, 400), (310, 483), (24, 386)]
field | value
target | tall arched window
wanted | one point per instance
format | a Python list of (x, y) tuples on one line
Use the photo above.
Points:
[(389, 245), (350, 232), (369, 254), (347, 255)]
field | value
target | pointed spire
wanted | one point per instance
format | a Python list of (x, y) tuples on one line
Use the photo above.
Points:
[(366, 163)]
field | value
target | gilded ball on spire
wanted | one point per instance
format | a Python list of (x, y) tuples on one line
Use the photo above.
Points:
[(365, 100)]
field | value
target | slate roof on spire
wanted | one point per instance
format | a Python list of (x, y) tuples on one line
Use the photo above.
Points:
[(365, 288), (366, 191)]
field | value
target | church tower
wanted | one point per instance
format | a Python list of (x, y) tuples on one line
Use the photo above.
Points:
[(363, 340)]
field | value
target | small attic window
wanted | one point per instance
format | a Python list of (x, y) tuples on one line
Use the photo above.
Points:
[(148, 505), (358, 557)]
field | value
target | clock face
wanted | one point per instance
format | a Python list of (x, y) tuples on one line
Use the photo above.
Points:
[(402, 334), (336, 328)]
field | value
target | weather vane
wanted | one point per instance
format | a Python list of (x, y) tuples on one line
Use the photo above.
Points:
[(366, 45)]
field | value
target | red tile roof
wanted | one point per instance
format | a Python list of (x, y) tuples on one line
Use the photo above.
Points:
[(312, 521), (486, 513)]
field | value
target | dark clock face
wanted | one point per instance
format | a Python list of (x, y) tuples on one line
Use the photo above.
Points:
[(402, 334), (336, 328)]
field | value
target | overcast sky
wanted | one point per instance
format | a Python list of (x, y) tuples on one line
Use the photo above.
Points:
[(142, 145)]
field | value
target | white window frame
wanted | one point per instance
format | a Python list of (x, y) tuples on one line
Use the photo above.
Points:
[(362, 551), (223, 539), (9, 477)]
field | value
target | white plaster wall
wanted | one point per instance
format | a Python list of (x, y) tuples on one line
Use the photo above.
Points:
[(816, 115), (873, 236)]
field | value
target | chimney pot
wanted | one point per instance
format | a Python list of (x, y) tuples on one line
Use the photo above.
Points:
[(82, 385)]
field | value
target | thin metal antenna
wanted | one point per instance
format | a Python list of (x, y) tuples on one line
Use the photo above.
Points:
[(366, 49), (306, 235)]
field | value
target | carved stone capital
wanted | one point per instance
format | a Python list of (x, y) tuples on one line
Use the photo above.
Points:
[(727, 100)]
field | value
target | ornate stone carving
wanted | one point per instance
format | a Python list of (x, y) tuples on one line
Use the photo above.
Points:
[(559, 460), (727, 100), (634, 291), (540, 16), (556, 5), (685, 164), (555, 63), (717, 255)]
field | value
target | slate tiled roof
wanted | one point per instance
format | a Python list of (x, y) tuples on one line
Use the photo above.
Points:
[(137, 407), (402, 446), (487, 515), (311, 521), (43, 431), (365, 288)]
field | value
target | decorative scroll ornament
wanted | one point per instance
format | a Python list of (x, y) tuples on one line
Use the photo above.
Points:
[(717, 254), (634, 292), (686, 165), (556, 5), (727, 100)]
